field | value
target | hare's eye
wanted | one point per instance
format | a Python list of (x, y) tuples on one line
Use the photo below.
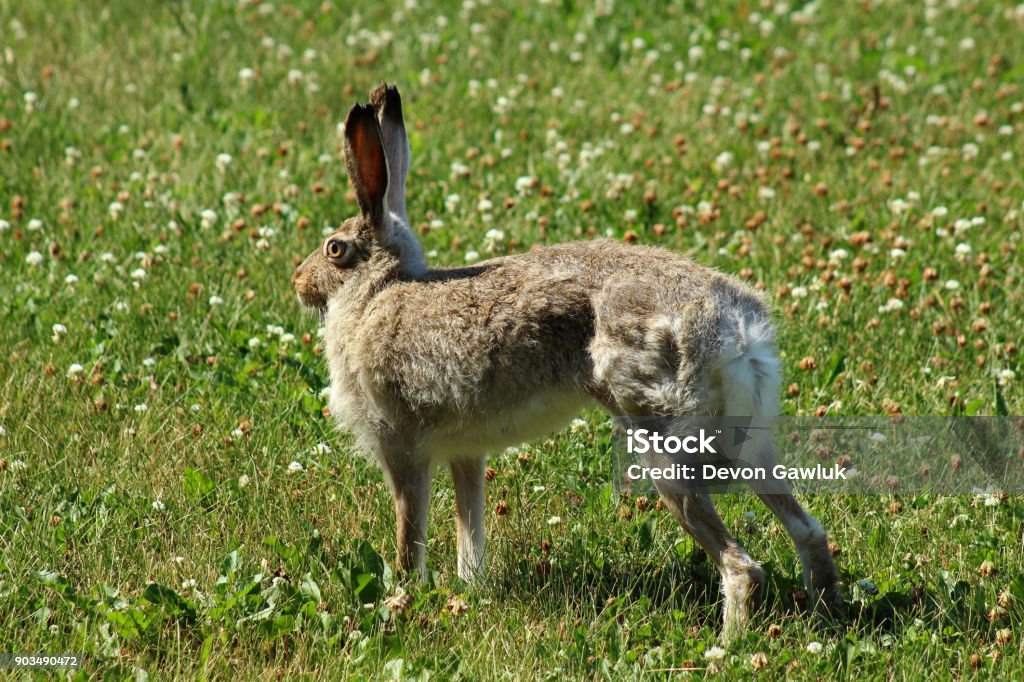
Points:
[(336, 249)]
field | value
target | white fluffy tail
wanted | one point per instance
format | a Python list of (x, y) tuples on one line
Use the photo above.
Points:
[(748, 369), (749, 377)]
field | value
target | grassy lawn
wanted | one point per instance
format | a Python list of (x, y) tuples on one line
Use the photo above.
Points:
[(174, 501)]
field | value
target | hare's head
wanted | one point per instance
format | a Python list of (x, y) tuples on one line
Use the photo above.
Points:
[(377, 156)]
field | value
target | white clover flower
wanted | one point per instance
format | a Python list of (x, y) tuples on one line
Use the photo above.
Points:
[(138, 273), (75, 370), (287, 338), (243, 481), (237, 433), (1006, 376), (4, 226), (798, 292), (34, 258), (472, 256), (246, 75), (216, 300), (715, 653), (579, 425), (322, 449), (494, 235), (765, 193), (724, 160), (71, 279), (525, 183), (891, 305), (195, 407), (148, 362), (158, 505), (141, 407), (814, 648), (485, 205), (188, 584), (222, 162), (295, 468), (554, 520), (451, 202), (207, 218), (952, 284), (898, 206), (630, 216), (59, 329), (254, 343)]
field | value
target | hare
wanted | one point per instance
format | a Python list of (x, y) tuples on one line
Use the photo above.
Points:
[(435, 366)]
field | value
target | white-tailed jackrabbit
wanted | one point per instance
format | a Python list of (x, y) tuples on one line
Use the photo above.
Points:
[(440, 366)]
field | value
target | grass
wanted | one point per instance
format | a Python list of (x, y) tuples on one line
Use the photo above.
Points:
[(165, 165)]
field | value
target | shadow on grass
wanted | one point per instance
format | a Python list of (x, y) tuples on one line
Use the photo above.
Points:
[(688, 582)]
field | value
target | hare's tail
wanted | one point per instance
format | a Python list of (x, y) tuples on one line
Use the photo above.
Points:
[(748, 378), (747, 367)]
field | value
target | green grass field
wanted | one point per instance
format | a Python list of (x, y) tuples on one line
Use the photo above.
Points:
[(175, 504)]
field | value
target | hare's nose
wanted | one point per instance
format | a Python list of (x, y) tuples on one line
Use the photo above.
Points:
[(298, 273)]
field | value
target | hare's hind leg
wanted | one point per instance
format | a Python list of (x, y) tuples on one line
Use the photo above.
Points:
[(468, 476), (742, 577), (820, 573)]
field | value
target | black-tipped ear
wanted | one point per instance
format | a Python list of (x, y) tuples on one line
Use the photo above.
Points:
[(388, 105), (366, 161)]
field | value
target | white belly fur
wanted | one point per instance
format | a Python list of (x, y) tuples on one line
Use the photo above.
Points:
[(542, 414)]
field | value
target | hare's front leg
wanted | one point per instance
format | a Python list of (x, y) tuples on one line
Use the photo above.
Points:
[(468, 476), (410, 487)]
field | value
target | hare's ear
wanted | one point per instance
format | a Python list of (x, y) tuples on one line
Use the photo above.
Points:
[(367, 164), (388, 104)]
